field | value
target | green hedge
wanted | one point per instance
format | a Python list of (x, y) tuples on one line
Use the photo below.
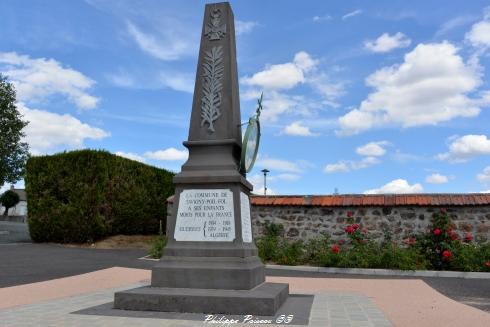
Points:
[(82, 196)]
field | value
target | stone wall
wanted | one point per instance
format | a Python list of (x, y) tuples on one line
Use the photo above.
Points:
[(306, 222), (303, 222)]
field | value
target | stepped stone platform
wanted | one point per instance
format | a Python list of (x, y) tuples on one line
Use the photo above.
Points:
[(264, 299)]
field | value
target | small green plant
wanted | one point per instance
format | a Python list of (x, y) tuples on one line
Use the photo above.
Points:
[(273, 230), (273, 247), (470, 257), (157, 247)]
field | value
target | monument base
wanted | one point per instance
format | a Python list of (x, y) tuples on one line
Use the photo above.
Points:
[(208, 273), (264, 300)]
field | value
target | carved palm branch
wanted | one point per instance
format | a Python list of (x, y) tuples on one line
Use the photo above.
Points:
[(211, 86)]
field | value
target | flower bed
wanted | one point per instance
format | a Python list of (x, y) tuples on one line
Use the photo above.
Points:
[(440, 248)]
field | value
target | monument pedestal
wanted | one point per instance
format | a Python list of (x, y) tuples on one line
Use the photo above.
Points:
[(263, 300), (210, 264)]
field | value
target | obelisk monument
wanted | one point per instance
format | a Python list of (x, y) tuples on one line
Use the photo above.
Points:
[(210, 264)]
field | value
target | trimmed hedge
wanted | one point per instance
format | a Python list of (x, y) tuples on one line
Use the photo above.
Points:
[(82, 196)]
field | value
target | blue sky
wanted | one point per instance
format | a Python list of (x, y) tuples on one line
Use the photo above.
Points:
[(378, 97)]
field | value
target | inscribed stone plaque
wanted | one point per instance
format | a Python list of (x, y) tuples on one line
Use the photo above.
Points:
[(205, 215), (246, 223)]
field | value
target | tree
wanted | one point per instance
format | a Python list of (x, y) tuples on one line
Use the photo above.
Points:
[(13, 152), (9, 199)]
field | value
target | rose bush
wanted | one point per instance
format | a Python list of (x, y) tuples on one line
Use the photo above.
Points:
[(441, 247)]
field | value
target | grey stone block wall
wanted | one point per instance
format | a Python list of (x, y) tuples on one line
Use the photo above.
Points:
[(307, 222)]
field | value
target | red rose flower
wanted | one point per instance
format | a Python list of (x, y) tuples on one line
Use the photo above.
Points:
[(487, 264), (349, 229), (454, 236), (410, 240), (446, 255), (468, 237), (437, 232), (335, 248), (341, 242), (350, 214)]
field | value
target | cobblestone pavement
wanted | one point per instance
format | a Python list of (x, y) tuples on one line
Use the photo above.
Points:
[(328, 309)]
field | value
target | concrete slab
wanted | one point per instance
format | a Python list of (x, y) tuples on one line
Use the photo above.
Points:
[(297, 307), (264, 299)]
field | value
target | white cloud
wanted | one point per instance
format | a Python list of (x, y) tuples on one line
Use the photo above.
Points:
[(484, 177), (164, 79), (178, 81), (274, 79), (285, 177), (365, 162), (339, 167), (260, 191), (257, 181), (404, 157), (345, 166), (479, 35), (318, 19), (397, 186), (47, 131), (281, 165), (374, 149), (386, 43), (276, 104), (454, 23), (352, 14), (436, 178), (168, 154), (121, 79), (243, 27), (330, 90), (166, 46), (466, 147), (37, 79), (283, 76), (429, 87), (297, 129), (130, 155)]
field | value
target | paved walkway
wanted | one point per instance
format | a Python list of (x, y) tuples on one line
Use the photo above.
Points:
[(338, 302), (53, 303), (29, 263)]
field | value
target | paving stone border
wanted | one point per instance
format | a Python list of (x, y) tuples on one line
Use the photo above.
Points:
[(384, 272)]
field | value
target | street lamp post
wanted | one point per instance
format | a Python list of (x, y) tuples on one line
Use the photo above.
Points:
[(265, 171)]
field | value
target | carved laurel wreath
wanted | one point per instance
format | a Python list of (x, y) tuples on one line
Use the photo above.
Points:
[(211, 86)]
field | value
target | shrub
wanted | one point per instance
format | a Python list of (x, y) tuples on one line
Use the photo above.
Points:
[(9, 199), (438, 244), (392, 256), (157, 247), (470, 257), (273, 247), (82, 196), (440, 248)]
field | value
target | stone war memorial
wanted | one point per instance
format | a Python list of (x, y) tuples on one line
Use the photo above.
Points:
[(210, 264)]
